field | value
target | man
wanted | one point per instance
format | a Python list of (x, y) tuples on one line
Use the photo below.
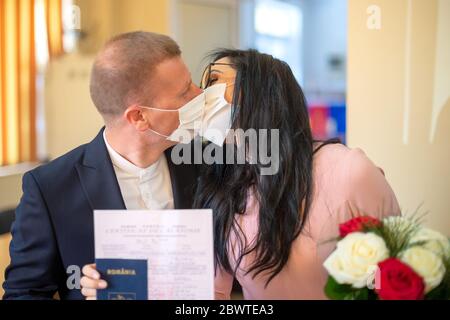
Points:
[(137, 80)]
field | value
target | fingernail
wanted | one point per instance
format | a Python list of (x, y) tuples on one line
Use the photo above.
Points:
[(103, 284), (96, 275)]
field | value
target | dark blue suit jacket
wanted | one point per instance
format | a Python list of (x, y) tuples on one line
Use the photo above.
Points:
[(54, 230)]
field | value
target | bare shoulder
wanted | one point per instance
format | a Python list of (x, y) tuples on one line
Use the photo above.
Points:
[(345, 167), (353, 183), (339, 155)]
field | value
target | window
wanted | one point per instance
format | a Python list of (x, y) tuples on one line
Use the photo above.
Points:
[(278, 28), (274, 27)]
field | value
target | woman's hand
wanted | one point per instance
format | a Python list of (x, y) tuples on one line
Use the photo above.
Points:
[(91, 282)]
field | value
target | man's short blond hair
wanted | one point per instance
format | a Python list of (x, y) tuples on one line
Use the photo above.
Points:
[(124, 67)]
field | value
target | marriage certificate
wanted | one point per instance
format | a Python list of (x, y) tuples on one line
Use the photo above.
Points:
[(175, 245)]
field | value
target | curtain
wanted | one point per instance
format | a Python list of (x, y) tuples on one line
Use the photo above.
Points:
[(17, 82), (18, 74), (53, 15)]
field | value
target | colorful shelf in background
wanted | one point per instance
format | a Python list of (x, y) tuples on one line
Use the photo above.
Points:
[(328, 121)]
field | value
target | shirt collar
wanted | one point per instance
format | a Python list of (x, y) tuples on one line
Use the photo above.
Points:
[(128, 167)]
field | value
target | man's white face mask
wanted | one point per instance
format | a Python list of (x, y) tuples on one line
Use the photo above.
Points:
[(190, 118), (208, 115)]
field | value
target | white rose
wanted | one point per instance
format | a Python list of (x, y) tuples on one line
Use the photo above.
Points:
[(354, 259), (427, 264), (433, 241)]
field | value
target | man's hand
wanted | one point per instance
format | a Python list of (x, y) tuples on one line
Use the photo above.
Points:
[(91, 282)]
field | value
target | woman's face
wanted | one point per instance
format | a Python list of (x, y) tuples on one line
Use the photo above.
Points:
[(221, 71)]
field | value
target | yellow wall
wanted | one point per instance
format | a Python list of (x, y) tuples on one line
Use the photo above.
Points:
[(71, 117), (101, 19), (4, 258), (10, 191), (418, 170), (131, 15)]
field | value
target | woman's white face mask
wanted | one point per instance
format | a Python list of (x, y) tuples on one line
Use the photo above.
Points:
[(217, 117), (208, 115)]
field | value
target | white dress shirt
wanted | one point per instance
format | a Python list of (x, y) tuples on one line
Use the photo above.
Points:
[(142, 189)]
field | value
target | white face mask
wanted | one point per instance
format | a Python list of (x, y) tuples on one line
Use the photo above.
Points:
[(190, 117), (217, 116), (207, 115)]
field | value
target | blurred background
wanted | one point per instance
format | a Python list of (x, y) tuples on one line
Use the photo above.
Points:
[(376, 74)]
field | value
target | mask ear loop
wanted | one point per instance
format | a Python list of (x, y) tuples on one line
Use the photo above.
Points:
[(159, 134), (157, 109), (164, 110), (161, 110)]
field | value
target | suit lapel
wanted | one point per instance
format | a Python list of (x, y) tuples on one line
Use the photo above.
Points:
[(100, 184), (98, 178), (183, 178)]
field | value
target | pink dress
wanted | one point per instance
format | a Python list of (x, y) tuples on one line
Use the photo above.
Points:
[(346, 184)]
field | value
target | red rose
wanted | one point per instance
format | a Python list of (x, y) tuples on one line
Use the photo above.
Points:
[(399, 281), (358, 224)]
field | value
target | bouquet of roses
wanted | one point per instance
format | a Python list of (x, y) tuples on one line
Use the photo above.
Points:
[(391, 259)]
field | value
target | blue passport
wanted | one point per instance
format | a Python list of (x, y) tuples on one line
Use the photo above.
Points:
[(127, 279)]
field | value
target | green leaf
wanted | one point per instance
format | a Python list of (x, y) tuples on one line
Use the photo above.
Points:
[(336, 291), (442, 292), (361, 294)]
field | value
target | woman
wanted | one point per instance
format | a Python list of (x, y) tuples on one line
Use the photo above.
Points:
[(270, 230)]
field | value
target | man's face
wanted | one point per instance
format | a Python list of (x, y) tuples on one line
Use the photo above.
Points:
[(171, 88)]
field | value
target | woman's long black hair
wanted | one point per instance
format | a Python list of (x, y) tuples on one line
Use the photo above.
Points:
[(266, 96)]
